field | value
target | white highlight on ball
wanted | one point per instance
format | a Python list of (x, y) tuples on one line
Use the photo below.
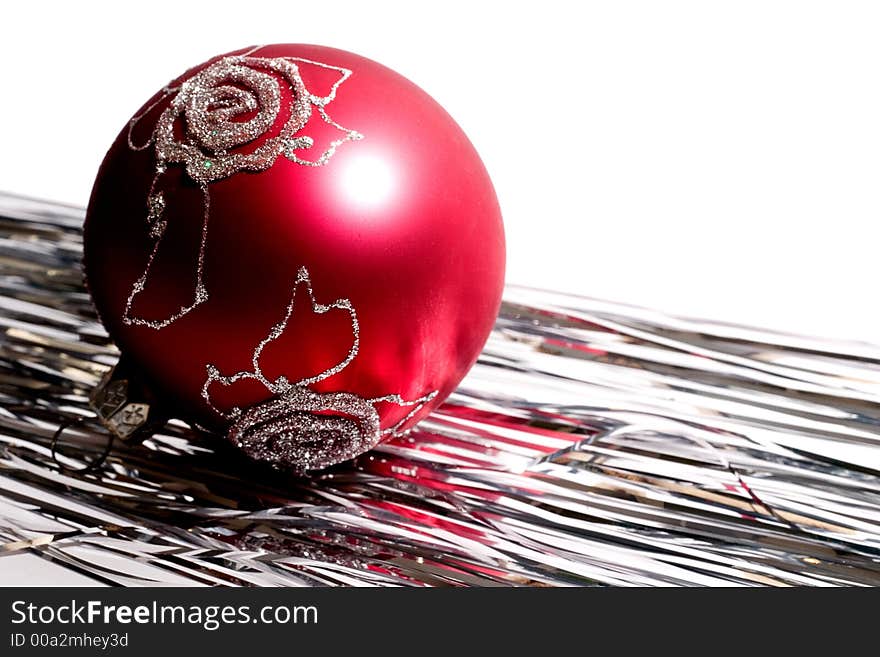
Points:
[(367, 180)]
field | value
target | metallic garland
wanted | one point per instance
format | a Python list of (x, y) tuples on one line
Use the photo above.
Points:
[(593, 443)]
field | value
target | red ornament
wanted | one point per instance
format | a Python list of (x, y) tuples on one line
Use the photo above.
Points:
[(294, 244)]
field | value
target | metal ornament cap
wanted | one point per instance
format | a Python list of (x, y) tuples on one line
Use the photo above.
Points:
[(125, 405)]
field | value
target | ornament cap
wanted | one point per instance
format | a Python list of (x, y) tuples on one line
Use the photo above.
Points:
[(126, 405)]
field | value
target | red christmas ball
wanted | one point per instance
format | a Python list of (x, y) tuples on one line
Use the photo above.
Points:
[(296, 245)]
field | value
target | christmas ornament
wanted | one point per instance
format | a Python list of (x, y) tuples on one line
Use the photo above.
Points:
[(295, 245)]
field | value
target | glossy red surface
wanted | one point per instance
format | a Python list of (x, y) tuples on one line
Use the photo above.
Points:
[(404, 223)]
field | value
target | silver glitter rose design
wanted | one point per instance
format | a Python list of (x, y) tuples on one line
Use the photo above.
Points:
[(198, 131), (300, 428)]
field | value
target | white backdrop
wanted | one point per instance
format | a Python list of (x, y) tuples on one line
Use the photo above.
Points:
[(711, 159)]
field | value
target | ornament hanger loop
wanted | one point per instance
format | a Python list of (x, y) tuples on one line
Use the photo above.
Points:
[(90, 466)]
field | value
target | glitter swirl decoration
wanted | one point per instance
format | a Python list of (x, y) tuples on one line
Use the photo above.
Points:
[(199, 131)]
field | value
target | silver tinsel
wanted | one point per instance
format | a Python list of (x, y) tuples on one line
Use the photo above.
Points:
[(592, 444)]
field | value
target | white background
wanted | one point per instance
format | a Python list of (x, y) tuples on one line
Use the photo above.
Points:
[(712, 159)]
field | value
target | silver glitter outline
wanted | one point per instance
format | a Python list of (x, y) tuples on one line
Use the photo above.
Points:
[(289, 398), (166, 91), (419, 403), (169, 151), (281, 384), (320, 102), (157, 229)]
